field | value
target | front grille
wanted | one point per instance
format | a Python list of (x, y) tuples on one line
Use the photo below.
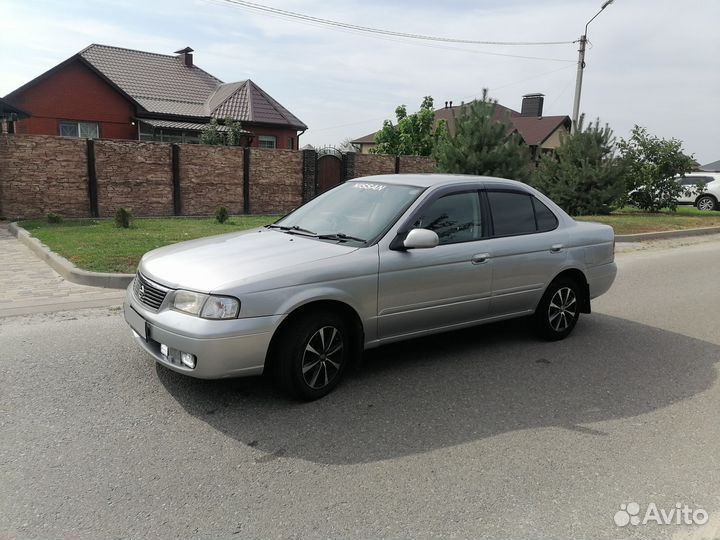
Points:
[(150, 294)]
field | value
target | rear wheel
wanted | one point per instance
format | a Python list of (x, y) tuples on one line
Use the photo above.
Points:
[(312, 354), (559, 310), (706, 202)]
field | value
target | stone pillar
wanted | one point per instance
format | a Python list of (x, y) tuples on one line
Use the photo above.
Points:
[(309, 175)]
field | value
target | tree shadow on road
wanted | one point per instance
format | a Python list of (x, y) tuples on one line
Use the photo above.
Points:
[(458, 387)]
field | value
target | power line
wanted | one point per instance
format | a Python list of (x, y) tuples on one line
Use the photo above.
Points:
[(366, 29)]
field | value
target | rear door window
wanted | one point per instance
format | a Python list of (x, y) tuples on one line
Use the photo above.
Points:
[(512, 213), (516, 213)]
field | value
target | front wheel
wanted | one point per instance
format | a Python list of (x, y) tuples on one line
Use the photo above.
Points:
[(558, 311), (312, 355), (706, 203)]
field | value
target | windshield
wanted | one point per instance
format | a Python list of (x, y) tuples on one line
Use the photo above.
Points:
[(354, 211)]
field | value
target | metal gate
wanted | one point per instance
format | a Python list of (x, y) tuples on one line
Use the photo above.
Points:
[(329, 169)]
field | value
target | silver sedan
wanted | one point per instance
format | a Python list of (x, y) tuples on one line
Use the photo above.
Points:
[(376, 260)]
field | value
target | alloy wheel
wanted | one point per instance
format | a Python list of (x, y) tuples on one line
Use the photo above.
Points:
[(562, 309), (706, 204), (322, 357)]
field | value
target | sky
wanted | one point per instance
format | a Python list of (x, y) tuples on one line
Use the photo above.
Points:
[(654, 63)]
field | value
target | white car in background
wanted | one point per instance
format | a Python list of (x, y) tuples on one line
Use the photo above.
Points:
[(701, 189)]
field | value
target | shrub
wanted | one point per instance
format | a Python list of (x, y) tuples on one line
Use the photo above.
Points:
[(652, 165), (221, 214), (54, 218), (122, 218)]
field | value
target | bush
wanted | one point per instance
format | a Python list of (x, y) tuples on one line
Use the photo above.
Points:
[(221, 214), (122, 218), (583, 176), (54, 218), (652, 164)]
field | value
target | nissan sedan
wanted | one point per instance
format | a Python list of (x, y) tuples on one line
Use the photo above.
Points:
[(373, 261)]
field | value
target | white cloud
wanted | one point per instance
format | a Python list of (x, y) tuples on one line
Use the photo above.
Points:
[(652, 62)]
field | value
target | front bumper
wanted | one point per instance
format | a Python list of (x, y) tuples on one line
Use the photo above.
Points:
[(227, 348)]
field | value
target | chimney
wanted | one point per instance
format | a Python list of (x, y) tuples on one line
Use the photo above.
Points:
[(186, 56), (532, 105), (446, 104), (451, 104)]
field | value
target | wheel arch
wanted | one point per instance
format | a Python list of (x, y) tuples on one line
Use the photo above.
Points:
[(342, 309), (705, 194), (578, 276)]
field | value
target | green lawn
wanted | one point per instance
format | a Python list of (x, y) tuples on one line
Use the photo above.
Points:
[(99, 246), (631, 220)]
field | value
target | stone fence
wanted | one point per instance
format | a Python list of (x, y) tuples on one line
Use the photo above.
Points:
[(93, 178)]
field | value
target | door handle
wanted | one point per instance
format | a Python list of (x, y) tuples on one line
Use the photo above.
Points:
[(555, 248), (480, 258)]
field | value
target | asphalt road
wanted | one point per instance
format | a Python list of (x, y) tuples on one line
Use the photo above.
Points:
[(483, 433)]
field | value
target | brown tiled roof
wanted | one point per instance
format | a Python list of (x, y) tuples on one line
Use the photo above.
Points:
[(533, 130), (161, 84), (366, 139), (150, 75), (536, 129), (247, 102), (172, 124)]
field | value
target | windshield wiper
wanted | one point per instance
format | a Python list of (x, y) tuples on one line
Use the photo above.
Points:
[(291, 228), (337, 236), (341, 236)]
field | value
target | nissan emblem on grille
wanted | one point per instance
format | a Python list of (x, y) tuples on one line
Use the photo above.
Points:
[(148, 293)]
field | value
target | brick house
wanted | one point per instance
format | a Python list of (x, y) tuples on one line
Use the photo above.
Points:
[(540, 133), (115, 93)]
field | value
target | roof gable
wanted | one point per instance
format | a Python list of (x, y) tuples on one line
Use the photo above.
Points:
[(163, 85), (247, 102)]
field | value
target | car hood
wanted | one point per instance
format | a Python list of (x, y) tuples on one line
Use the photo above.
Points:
[(208, 264)]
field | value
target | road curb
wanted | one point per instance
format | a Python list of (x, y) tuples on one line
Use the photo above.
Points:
[(639, 237), (67, 269)]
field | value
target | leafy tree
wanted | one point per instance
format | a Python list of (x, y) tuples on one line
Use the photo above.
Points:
[(412, 135), (584, 176), (212, 134), (651, 165), (482, 144)]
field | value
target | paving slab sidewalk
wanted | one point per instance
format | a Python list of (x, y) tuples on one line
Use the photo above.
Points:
[(29, 285)]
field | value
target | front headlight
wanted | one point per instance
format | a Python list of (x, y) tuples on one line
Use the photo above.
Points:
[(206, 306), (220, 307), (189, 302)]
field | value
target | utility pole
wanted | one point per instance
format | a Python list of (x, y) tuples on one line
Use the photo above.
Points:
[(578, 83), (581, 67)]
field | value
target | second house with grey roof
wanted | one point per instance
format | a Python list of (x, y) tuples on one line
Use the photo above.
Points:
[(115, 93)]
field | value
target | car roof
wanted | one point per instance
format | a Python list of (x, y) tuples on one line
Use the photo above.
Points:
[(432, 180), (703, 173)]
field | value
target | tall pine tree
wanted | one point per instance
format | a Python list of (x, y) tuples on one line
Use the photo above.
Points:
[(483, 145), (584, 176)]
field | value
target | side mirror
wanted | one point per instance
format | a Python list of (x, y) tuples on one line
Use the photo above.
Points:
[(421, 239)]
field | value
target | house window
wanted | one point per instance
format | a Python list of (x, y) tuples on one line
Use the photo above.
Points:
[(267, 141), (83, 130), (291, 143)]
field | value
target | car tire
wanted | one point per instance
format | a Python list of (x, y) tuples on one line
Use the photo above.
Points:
[(312, 354), (558, 311), (706, 203)]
